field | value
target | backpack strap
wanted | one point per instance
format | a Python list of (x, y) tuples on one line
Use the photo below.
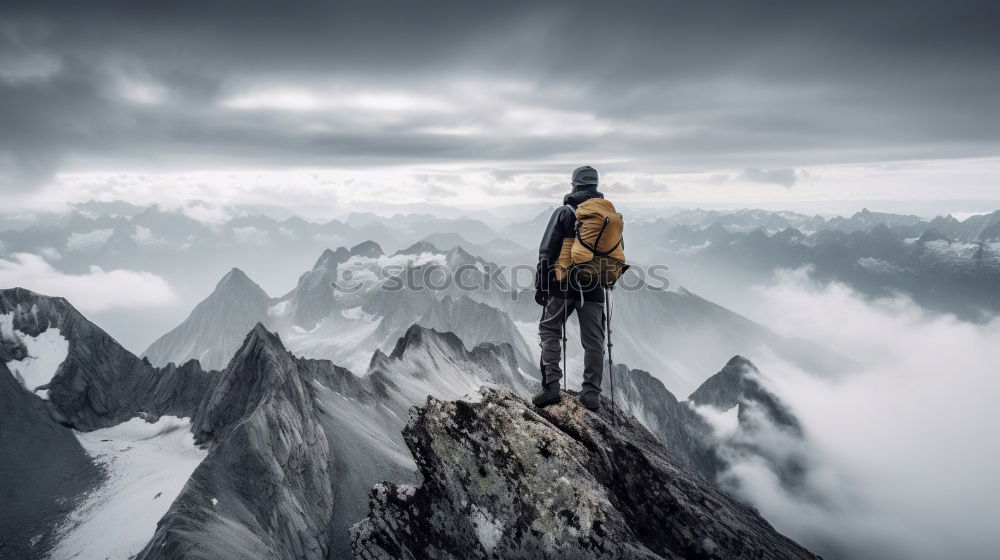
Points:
[(593, 248)]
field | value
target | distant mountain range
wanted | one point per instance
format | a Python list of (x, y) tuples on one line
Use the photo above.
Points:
[(944, 264), (951, 271), (676, 334)]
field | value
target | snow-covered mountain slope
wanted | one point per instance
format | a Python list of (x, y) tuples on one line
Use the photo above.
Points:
[(942, 271), (146, 465)]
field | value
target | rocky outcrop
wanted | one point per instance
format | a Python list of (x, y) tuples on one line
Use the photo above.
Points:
[(504, 480), (295, 443)]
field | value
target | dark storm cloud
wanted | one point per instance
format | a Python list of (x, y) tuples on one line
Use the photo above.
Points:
[(657, 85)]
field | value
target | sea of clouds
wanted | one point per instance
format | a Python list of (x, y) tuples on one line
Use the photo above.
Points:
[(902, 452)]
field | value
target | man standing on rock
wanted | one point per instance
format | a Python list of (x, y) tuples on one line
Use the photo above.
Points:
[(560, 299)]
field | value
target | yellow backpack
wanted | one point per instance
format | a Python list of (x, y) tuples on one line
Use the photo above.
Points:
[(597, 254)]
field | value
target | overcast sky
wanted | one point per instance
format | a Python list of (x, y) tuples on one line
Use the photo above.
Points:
[(477, 103)]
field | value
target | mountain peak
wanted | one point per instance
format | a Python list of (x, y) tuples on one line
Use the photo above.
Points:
[(495, 466), (417, 336), (235, 278), (422, 246), (367, 249), (726, 388), (236, 289), (740, 383), (259, 368), (932, 235), (329, 259), (259, 335)]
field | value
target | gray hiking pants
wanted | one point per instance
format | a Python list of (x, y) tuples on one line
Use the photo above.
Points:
[(591, 317)]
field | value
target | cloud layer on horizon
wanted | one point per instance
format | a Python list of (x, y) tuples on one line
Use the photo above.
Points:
[(95, 290)]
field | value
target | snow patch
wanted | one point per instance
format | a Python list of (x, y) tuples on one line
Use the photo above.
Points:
[(147, 465), (91, 240), (46, 352), (878, 266), (358, 314)]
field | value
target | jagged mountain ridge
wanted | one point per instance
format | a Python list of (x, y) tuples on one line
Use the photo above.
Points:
[(675, 334), (99, 383), (944, 265), (270, 416), (310, 416), (346, 324), (267, 418)]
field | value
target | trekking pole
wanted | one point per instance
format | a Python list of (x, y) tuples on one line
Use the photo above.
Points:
[(611, 365), (541, 362), (565, 370)]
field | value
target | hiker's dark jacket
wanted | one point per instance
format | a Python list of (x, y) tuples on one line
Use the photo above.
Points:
[(562, 225)]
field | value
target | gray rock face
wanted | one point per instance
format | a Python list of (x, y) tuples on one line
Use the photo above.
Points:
[(216, 327), (675, 424), (313, 299), (264, 490), (478, 322), (739, 383), (503, 480), (101, 384), (43, 471), (367, 249), (295, 443), (760, 417)]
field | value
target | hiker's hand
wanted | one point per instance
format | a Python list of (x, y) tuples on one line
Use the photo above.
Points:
[(541, 298)]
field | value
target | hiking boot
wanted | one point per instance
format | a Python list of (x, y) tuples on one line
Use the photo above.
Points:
[(591, 400), (548, 395)]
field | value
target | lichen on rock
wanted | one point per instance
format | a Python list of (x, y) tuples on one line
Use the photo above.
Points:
[(505, 480)]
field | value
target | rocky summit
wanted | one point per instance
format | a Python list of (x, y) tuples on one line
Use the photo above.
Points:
[(503, 479)]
